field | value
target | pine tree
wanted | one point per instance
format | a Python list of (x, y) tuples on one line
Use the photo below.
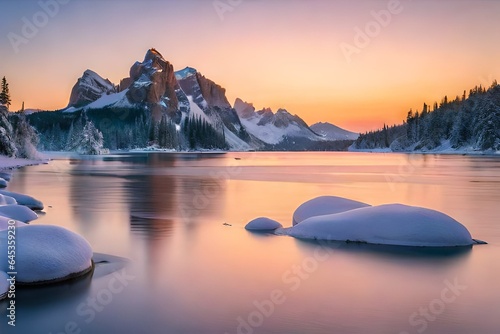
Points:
[(92, 142), (25, 137), (4, 93)]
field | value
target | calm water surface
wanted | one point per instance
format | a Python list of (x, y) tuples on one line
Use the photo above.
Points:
[(190, 273)]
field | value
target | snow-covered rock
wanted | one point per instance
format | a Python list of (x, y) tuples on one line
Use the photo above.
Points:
[(325, 205), (391, 224), (7, 200), (4, 285), (18, 212), (263, 224), (6, 176), (47, 254), (25, 200), (5, 223), (3, 183)]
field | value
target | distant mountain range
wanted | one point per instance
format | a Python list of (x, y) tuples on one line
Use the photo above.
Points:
[(154, 86)]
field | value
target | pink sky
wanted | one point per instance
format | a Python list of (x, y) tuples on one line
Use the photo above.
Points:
[(275, 53)]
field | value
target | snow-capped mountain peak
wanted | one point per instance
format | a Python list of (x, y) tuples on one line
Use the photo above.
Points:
[(185, 73), (89, 88), (333, 132)]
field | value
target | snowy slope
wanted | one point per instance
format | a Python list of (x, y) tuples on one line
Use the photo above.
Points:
[(332, 132), (273, 128), (112, 100), (232, 140)]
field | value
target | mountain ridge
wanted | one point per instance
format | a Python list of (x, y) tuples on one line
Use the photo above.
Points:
[(155, 86)]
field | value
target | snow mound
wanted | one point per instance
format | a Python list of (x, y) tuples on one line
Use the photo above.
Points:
[(4, 223), (4, 285), (18, 212), (47, 254), (263, 224), (391, 224), (3, 183), (325, 205), (7, 200), (25, 200)]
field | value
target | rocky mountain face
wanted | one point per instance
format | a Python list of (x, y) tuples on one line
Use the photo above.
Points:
[(153, 83), (89, 88), (244, 109), (155, 86), (211, 99)]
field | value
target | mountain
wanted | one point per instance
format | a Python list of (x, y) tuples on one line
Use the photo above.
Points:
[(273, 128), (154, 84), (333, 132), (89, 88), (208, 100), (186, 96)]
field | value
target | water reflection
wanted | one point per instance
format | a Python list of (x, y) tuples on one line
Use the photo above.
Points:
[(166, 212), (390, 251)]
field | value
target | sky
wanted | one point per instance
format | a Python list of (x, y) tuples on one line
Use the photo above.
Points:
[(357, 64)]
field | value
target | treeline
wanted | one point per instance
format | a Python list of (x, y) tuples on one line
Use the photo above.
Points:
[(122, 128), (470, 121)]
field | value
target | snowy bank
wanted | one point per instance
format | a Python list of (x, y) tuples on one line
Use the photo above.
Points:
[(47, 254), (391, 224), (9, 163)]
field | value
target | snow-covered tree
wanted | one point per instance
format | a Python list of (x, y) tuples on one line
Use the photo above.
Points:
[(4, 93), (74, 135), (92, 141), (25, 137), (7, 145)]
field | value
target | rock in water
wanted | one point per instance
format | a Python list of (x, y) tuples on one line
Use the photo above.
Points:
[(325, 205), (46, 254), (25, 200), (391, 224), (263, 224), (6, 222), (18, 212), (7, 200)]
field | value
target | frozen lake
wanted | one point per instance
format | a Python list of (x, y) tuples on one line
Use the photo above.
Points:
[(190, 273)]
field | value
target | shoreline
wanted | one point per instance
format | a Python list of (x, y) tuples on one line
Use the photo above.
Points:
[(7, 163)]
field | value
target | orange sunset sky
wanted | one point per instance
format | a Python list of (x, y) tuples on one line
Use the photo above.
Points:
[(274, 53)]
